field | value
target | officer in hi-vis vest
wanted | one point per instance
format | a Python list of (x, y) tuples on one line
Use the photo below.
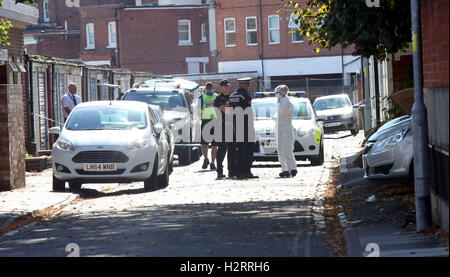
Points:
[(208, 113)]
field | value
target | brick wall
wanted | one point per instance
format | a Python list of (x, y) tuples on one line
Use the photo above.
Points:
[(157, 50), (435, 43), (436, 96), (12, 150), (285, 49), (61, 46)]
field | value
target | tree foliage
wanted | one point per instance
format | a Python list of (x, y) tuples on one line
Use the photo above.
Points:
[(374, 31), (5, 25)]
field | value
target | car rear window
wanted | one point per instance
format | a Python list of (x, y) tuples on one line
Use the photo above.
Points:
[(164, 99)]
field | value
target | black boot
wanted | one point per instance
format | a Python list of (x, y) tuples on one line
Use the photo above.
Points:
[(285, 174), (205, 163), (293, 172)]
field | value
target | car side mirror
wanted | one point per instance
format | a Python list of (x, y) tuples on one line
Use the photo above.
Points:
[(357, 106), (54, 131)]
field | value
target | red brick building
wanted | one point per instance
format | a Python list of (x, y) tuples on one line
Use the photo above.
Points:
[(57, 32), (13, 95), (435, 47), (254, 36)]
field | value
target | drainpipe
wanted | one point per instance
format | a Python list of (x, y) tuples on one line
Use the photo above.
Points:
[(261, 54), (117, 38), (420, 128)]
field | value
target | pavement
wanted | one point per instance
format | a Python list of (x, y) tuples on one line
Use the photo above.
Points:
[(32, 201), (384, 227)]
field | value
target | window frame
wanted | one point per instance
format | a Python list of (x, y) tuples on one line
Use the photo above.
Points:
[(203, 33), (88, 45), (184, 42), (111, 43), (295, 30), (229, 32), (45, 11), (273, 29), (251, 30)]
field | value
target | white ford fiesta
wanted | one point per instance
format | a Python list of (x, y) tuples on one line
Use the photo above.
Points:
[(110, 142)]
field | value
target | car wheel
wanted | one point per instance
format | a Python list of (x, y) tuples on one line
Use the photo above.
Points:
[(319, 159), (58, 185), (151, 183), (163, 180), (75, 186), (184, 156)]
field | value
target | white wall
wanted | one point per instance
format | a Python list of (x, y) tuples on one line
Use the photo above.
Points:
[(179, 2), (292, 67)]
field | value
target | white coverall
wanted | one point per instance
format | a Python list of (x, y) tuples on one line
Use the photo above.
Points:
[(285, 135)]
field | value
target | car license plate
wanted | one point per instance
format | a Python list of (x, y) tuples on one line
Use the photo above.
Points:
[(333, 124), (100, 167), (270, 143)]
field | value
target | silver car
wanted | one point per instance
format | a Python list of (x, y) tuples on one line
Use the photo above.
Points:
[(337, 113), (389, 152), (110, 141)]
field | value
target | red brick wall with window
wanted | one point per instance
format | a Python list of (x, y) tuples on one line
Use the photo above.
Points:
[(152, 45), (285, 49)]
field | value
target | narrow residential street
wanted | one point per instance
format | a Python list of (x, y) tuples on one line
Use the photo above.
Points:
[(195, 215)]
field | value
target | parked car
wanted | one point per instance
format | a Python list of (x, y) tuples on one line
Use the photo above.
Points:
[(337, 113), (308, 132), (389, 152), (159, 119), (110, 141), (178, 106)]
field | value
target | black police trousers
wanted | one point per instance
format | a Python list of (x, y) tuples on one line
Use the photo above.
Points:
[(240, 155)]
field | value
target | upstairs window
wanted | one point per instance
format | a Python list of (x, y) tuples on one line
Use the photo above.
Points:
[(112, 34), (184, 32), (274, 29), (90, 36), (294, 24), (230, 31), (251, 30), (203, 32), (45, 14)]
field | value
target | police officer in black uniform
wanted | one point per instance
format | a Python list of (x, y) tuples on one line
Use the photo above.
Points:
[(243, 151), (222, 103)]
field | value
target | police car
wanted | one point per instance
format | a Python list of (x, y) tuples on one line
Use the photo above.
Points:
[(308, 132)]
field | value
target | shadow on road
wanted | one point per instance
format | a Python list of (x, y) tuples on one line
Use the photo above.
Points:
[(276, 229)]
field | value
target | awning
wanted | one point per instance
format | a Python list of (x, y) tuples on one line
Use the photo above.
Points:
[(13, 65)]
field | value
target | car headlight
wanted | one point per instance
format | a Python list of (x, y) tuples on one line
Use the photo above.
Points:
[(307, 131), (390, 141), (65, 145), (137, 144), (347, 115)]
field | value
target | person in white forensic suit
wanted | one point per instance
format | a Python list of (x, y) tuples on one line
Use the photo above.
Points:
[(285, 133)]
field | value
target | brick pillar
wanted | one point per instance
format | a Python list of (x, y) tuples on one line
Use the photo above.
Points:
[(12, 140)]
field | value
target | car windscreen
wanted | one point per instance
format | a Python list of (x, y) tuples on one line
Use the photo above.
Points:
[(267, 110), (166, 100), (332, 103), (106, 118), (302, 111)]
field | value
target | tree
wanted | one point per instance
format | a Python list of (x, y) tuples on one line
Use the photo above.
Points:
[(373, 31), (5, 25)]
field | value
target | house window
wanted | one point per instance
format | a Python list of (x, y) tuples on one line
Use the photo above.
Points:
[(296, 36), (294, 25), (274, 29), (203, 31), (45, 11), (138, 2), (251, 30), (230, 32), (184, 32), (112, 34), (90, 36)]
